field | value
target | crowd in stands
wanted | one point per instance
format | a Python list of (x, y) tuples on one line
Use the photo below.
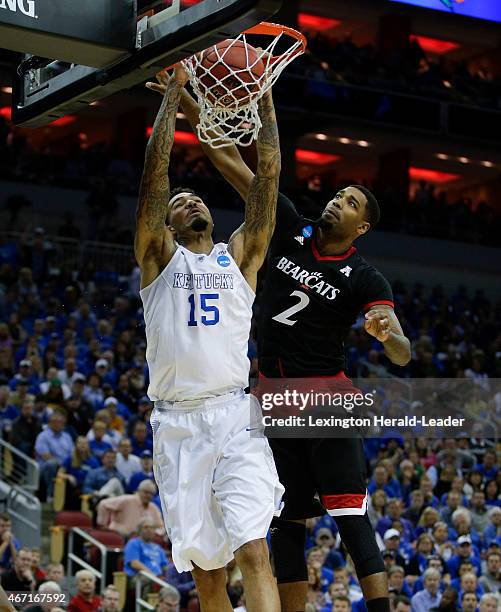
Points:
[(73, 379), (429, 212), (403, 69)]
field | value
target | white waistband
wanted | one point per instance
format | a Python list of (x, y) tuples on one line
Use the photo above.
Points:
[(209, 402)]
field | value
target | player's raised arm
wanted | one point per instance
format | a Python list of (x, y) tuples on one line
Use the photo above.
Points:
[(250, 244), (154, 243), (227, 160)]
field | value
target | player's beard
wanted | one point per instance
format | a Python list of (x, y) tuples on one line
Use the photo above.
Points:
[(325, 224), (199, 224), (331, 229)]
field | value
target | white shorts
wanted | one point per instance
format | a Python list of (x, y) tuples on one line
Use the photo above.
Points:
[(217, 481)]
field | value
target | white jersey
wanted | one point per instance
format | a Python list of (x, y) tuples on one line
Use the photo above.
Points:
[(198, 316)]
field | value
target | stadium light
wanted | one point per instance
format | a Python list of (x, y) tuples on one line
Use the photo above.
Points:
[(315, 158), (434, 45), (308, 21), (432, 176)]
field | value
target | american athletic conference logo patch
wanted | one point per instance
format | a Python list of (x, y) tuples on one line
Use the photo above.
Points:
[(307, 231), (223, 261)]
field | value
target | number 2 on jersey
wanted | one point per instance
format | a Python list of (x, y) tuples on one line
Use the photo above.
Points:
[(207, 308), (283, 317)]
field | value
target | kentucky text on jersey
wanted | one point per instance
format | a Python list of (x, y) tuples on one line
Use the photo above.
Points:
[(202, 281), (312, 280)]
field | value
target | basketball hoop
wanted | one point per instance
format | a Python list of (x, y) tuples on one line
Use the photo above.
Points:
[(228, 98)]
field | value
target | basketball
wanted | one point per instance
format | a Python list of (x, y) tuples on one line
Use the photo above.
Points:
[(238, 68)]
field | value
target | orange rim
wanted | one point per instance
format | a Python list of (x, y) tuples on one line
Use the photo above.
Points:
[(272, 29)]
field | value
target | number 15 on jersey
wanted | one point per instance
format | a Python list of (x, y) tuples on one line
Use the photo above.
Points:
[(211, 311)]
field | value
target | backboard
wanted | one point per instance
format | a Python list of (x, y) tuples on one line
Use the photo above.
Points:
[(46, 89)]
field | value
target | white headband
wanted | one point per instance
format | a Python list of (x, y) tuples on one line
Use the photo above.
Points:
[(180, 195)]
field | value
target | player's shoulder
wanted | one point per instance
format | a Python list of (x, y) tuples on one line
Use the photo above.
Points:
[(365, 273), (363, 267)]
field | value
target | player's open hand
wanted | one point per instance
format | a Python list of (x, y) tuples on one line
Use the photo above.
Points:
[(377, 324), (163, 78)]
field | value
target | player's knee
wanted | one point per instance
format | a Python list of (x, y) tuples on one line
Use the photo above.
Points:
[(287, 545), (209, 582), (358, 536), (253, 557)]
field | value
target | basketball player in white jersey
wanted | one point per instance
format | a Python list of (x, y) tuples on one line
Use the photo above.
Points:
[(218, 485)]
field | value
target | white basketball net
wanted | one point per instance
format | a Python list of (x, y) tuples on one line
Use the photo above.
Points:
[(229, 106)]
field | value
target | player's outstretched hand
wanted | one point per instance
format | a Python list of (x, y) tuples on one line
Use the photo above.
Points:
[(163, 78), (377, 324)]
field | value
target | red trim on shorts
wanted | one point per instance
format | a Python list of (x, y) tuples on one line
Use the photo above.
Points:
[(319, 257), (379, 303), (343, 500)]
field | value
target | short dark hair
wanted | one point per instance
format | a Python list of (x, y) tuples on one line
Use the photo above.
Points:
[(372, 210), (341, 598), (465, 593), (174, 193)]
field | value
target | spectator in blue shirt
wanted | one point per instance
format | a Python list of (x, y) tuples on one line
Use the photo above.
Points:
[(182, 581), (461, 522), (419, 561), (9, 544), (107, 374), (392, 542), (105, 481), (143, 554), (93, 392), (74, 470), (146, 472), (491, 490), (394, 511), (469, 584), (52, 446), (464, 552), (397, 583), (26, 373), (381, 480), (428, 519), (140, 440), (430, 596), (488, 468), (99, 444)]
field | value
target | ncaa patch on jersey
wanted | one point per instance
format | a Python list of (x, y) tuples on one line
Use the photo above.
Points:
[(223, 261), (307, 231)]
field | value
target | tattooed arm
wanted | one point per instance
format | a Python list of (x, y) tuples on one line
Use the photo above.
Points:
[(154, 244), (249, 243), (227, 160)]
